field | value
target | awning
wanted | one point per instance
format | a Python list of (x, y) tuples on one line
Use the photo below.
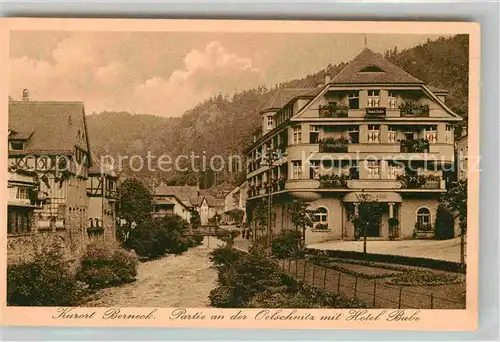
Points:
[(373, 195)]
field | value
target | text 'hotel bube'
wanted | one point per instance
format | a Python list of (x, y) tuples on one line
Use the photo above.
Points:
[(372, 131)]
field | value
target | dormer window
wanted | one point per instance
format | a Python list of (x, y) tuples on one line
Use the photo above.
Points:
[(371, 68), (17, 146)]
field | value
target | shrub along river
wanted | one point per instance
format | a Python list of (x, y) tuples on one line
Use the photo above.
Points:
[(172, 281)]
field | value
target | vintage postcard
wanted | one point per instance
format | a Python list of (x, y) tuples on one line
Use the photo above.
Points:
[(240, 174)]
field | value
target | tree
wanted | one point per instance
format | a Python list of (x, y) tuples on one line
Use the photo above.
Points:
[(136, 205), (455, 201), (195, 220), (301, 216), (368, 216)]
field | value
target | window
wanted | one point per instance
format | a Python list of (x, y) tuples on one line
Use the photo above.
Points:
[(373, 169), (354, 100), (353, 133), (19, 221), (449, 134), (22, 193), (270, 123), (313, 134), (373, 134), (373, 98), (391, 99), (313, 169), (296, 169), (391, 134), (297, 135), (371, 68), (423, 217), (354, 170), (321, 215), (17, 146), (430, 133)]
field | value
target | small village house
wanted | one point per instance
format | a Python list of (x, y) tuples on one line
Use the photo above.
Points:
[(178, 200), (102, 193), (234, 205)]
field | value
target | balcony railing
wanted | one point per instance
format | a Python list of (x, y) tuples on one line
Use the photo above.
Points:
[(414, 181), (332, 110), (414, 146), (333, 145), (333, 181), (412, 109)]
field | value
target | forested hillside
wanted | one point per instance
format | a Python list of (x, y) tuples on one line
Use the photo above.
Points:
[(225, 126)]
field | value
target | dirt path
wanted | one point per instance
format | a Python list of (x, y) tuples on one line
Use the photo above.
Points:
[(173, 281)]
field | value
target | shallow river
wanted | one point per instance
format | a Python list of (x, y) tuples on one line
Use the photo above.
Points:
[(173, 281)]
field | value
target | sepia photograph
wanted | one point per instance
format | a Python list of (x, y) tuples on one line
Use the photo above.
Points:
[(238, 170)]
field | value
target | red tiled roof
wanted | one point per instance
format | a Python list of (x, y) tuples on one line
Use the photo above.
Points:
[(359, 71)]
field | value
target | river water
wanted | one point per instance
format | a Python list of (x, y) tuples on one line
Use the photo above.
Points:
[(173, 281)]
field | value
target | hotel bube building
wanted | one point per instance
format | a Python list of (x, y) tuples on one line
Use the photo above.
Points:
[(372, 132)]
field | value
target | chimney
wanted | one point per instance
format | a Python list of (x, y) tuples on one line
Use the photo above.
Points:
[(26, 95), (327, 79)]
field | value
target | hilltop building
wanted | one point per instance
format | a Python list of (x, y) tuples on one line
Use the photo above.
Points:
[(372, 131)]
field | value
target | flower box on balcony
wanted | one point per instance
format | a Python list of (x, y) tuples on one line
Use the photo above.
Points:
[(414, 181), (333, 181), (412, 109), (414, 146), (332, 110), (333, 145)]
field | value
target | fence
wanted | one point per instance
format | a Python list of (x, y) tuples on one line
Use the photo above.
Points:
[(368, 291)]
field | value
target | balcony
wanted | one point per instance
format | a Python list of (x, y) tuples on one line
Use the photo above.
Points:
[(375, 113), (414, 146), (414, 181), (413, 110), (332, 110), (333, 145), (333, 181)]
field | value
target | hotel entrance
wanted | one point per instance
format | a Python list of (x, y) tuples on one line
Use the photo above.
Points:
[(383, 220)]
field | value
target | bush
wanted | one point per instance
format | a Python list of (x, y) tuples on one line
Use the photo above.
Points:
[(45, 281), (425, 278), (288, 244), (155, 237), (444, 227), (298, 295), (247, 276), (105, 265), (224, 256), (197, 239)]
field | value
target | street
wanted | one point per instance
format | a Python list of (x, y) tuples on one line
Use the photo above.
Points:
[(173, 281)]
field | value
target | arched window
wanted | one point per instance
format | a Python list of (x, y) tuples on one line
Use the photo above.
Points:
[(321, 215), (423, 217)]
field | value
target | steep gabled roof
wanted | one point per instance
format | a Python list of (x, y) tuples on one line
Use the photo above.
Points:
[(364, 68), (284, 95), (213, 201), (188, 195), (54, 124)]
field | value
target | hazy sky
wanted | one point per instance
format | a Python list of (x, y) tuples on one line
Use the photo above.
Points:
[(168, 73)]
